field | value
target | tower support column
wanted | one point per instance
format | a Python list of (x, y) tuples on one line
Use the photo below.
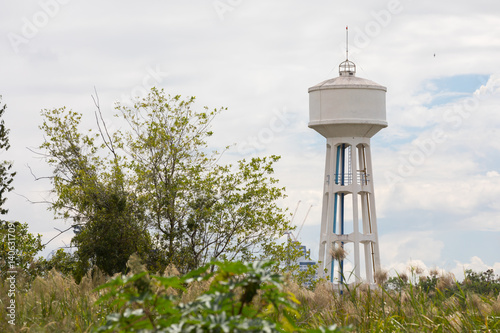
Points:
[(348, 173)]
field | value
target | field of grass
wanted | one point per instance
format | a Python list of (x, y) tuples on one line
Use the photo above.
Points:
[(57, 304), (54, 304), (408, 309)]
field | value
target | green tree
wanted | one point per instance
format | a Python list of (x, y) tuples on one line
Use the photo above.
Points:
[(92, 190), (18, 250), (18, 247), (286, 257), (201, 211), (156, 183), (63, 262), (6, 176)]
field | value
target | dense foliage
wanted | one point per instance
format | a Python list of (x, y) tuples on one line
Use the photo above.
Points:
[(238, 297), (151, 199)]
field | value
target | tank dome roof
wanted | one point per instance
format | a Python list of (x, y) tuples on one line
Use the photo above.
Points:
[(352, 82)]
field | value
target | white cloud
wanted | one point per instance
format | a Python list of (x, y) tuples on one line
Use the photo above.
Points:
[(448, 173), (398, 248), (475, 264), (263, 56)]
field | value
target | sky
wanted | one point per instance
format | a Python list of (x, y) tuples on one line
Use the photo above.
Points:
[(436, 166)]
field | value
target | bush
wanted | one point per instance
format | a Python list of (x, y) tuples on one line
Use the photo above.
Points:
[(242, 297), (484, 283)]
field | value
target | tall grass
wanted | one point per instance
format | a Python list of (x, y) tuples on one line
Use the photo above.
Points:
[(57, 304), (409, 309), (54, 304)]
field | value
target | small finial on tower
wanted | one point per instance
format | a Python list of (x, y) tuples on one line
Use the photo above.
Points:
[(346, 42), (347, 68)]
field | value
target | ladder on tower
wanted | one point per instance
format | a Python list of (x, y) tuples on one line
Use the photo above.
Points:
[(349, 169)]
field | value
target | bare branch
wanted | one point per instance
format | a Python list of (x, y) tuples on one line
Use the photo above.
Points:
[(34, 202), (41, 155), (99, 119), (59, 234), (38, 178)]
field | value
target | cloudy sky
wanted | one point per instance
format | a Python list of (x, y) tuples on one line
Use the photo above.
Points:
[(436, 167)]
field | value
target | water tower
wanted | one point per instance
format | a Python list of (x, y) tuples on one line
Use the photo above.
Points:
[(348, 111)]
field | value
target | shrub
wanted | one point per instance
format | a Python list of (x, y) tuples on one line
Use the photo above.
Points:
[(242, 297)]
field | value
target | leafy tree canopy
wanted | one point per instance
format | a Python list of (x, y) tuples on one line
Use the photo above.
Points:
[(155, 188)]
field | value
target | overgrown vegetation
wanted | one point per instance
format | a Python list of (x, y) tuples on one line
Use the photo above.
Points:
[(168, 240), (236, 297), (248, 297)]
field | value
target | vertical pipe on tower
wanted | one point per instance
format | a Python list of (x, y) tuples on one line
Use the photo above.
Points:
[(355, 218), (342, 207)]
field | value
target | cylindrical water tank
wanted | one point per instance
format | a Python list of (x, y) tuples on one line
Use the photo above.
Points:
[(347, 106)]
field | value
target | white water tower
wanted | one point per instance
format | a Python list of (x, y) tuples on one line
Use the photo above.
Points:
[(348, 111)]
